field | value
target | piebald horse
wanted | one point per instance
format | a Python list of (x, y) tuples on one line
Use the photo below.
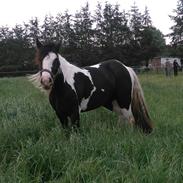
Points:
[(73, 89)]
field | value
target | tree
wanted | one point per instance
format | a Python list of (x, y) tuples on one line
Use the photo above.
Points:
[(136, 25), (49, 28), (83, 34), (98, 20), (177, 28), (34, 30), (146, 18), (152, 43), (5, 33), (65, 32), (86, 39), (177, 31), (111, 31), (83, 27)]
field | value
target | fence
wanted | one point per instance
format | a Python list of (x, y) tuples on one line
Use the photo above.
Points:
[(16, 73), (137, 69)]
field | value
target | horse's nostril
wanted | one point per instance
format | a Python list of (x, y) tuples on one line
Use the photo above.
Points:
[(49, 80), (41, 81)]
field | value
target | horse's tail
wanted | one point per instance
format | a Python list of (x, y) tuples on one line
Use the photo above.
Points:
[(139, 108)]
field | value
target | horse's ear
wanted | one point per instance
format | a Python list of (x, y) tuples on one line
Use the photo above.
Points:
[(38, 43)]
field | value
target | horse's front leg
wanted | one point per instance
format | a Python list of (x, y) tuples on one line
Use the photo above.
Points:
[(65, 124), (63, 120), (75, 120)]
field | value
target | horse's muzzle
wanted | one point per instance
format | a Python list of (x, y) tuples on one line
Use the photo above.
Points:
[(46, 83)]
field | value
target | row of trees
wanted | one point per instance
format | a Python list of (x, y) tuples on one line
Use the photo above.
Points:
[(86, 38)]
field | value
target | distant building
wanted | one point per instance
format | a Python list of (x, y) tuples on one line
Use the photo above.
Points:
[(158, 63)]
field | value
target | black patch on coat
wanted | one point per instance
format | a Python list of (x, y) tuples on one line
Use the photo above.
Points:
[(114, 78), (63, 98), (83, 86), (55, 66)]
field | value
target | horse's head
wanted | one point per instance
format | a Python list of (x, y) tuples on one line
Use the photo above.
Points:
[(48, 60)]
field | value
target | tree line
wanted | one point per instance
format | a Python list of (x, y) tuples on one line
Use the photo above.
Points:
[(85, 38)]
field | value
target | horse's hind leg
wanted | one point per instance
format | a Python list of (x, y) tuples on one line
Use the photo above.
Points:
[(128, 115), (125, 115)]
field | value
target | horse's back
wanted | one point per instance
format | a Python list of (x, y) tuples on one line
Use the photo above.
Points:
[(113, 71)]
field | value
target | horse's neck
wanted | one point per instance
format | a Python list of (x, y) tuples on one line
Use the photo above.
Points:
[(68, 69), (66, 66)]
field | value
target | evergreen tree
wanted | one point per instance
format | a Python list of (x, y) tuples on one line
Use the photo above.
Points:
[(108, 25), (98, 21), (146, 18), (121, 29), (83, 34), (83, 27), (177, 28), (136, 25), (136, 28), (111, 31), (34, 30), (49, 28), (64, 30), (5, 33)]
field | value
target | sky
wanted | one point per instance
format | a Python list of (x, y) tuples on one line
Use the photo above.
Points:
[(14, 12)]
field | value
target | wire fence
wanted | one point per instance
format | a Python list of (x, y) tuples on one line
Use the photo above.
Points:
[(16, 73), (137, 69)]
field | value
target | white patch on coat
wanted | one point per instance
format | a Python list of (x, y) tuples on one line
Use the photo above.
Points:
[(69, 72), (125, 114), (131, 72), (84, 101), (95, 66)]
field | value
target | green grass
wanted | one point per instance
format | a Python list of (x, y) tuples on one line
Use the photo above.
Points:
[(33, 147)]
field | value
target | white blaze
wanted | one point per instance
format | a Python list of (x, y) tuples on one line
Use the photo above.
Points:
[(47, 64)]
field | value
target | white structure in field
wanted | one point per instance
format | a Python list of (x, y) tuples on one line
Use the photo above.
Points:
[(169, 59), (159, 62)]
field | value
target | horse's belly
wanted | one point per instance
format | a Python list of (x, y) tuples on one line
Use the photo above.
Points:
[(98, 99)]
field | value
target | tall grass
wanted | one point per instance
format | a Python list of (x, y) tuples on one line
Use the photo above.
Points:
[(33, 147)]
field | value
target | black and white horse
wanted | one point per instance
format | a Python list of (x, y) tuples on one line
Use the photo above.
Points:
[(73, 89)]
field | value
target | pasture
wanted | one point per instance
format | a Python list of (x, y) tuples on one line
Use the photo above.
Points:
[(33, 147)]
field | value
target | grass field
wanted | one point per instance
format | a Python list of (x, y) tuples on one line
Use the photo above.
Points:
[(33, 147)]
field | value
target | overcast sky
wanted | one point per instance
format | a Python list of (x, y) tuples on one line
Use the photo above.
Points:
[(18, 11)]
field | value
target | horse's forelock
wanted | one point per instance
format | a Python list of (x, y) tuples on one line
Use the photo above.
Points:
[(43, 51)]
